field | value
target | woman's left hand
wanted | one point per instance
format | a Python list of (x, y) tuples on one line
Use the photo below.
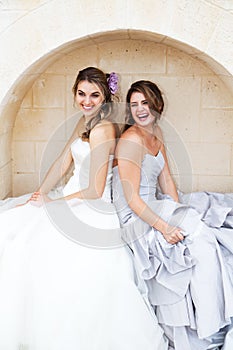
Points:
[(173, 234)]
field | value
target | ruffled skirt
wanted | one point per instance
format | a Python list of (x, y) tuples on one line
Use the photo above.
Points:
[(190, 283)]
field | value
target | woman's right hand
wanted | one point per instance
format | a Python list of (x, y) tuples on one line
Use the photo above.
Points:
[(38, 199), (35, 196), (172, 234)]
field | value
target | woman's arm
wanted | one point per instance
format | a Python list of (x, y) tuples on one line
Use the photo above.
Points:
[(102, 144), (130, 153)]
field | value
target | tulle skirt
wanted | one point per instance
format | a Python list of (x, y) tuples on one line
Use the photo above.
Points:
[(67, 281)]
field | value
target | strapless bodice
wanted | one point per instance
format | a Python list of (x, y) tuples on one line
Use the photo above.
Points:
[(151, 167), (80, 179)]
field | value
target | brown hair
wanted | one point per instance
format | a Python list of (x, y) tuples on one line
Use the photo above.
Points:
[(153, 96), (98, 77)]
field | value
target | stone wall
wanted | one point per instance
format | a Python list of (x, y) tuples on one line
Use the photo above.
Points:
[(197, 120)]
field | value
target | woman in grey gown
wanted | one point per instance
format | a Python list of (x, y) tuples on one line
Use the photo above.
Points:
[(182, 248)]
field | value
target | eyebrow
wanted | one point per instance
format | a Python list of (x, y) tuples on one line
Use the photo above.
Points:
[(94, 92), (141, 101)]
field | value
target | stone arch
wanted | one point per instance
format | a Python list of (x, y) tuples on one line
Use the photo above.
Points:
[(195, 28)]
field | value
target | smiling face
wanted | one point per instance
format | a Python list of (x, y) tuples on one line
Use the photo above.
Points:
[(89, 98), (140, 110)]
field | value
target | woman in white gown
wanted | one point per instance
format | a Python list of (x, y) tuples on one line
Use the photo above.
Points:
[(66, 278), (182, 245)]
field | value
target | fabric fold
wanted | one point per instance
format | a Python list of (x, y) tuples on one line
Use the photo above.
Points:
[(190, 284)]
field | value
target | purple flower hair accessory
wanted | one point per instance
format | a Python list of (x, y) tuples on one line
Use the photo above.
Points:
[(113, 83)]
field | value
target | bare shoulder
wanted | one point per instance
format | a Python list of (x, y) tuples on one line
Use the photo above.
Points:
[(132, 134), (104, 130), (130, 144)]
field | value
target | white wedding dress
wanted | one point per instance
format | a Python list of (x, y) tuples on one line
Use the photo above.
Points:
[(66, 279)]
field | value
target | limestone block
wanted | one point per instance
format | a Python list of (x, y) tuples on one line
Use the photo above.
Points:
[(39, 124), (49, 91), (125, 80), (210, 158), (78, 43), (18, 92), (215, 94), (177, 164), (74, 61), (210, 62), (40, 148), (180, 161), (71, 122), (225, 4), (195, 22), (179, 63), (71, 108), (232, 159), (216, 126), (131, 56), (46, 154), (186, 184), (5, 147), (31, 45), (21, 5), (182, 105), (5, 181), (7, 117), (13, 100), (28, 100), (101, 15), (7, 18), (181, 45), (25, 79), (223, 184), (145, 35), (228, 81), (24, 183), (150, 14), (222, 34), (110, 36), (40, 66), (23, 155), (9, 70), (191, 22)]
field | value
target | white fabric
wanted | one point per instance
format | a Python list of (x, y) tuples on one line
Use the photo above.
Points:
[(60, 292)]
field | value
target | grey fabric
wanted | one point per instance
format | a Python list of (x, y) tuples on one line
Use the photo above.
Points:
[(190, 284)]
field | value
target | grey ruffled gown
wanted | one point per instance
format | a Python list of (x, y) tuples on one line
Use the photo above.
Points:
[(190, 284)]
